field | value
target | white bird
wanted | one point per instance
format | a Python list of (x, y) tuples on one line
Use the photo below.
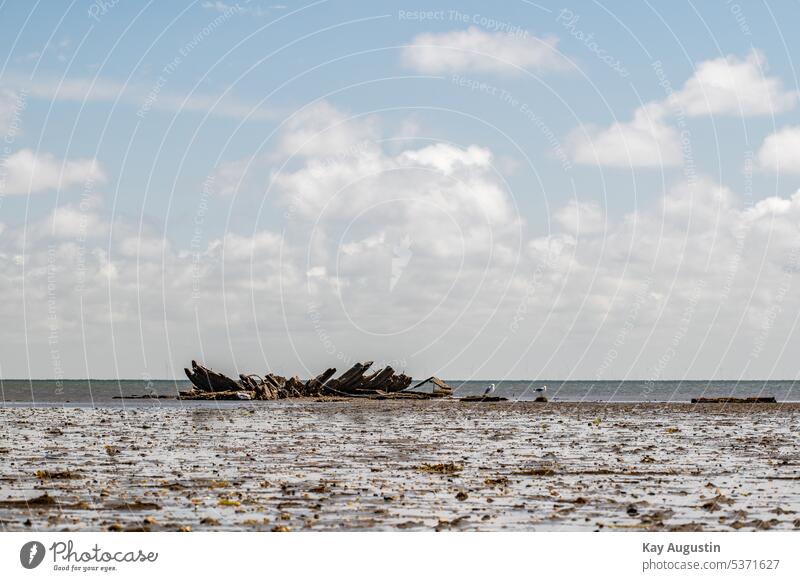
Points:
[(489, 390), (541, 389)]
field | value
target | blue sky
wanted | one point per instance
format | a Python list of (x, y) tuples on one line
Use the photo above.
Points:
[(183, 158), (133, 42)]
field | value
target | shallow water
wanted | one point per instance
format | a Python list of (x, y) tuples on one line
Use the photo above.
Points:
[(372, 465), (103, 391)]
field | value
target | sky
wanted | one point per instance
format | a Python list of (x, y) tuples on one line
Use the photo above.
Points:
[(517, 190)]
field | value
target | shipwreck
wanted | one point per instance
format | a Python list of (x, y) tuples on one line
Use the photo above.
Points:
[(356, 382)]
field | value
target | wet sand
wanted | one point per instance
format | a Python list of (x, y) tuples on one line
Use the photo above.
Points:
[(377, 465)]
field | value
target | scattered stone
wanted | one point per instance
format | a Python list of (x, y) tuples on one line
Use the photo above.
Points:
[(445, 468), (57, 475)]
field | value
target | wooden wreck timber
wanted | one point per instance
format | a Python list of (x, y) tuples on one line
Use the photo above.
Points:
[(768, 399), (355, 382), (440, 388), (482, 399), (207, 380)]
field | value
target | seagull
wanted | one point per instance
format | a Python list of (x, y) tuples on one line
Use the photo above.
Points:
[(541, 389), (488, 390)]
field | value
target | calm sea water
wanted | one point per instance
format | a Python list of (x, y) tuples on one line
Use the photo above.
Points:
[(109, 392)]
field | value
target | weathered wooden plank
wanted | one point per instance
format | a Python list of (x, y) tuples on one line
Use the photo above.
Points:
[(316, 385), (207, 380)]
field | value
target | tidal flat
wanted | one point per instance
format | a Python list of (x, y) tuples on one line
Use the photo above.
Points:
[(408, 465)]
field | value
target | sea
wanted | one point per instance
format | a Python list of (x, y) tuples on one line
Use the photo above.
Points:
[(113, 392)]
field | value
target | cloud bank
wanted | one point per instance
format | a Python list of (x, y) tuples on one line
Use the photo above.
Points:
[(416, 256)]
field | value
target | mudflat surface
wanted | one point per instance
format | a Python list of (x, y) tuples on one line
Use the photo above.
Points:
[(378, 465)]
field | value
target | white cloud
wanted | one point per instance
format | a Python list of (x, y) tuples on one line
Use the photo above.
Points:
[(239, 247), (238, 8), (72, 221), (319, 136), (457, 181), (448, 159), (8, 100), (475, 50), (645, 141), (580, 218), (230, 175), (325, 134), (27, 172), (218, 6), (65, 223), (780, 151), (143, 96), (732, 86), (723, 86)]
